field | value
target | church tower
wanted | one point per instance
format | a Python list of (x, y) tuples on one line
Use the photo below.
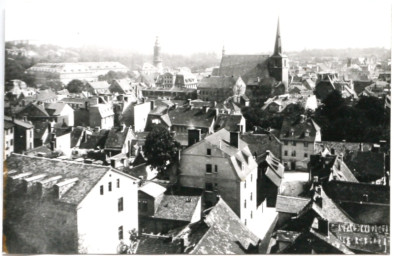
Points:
[(279, 63), (157, 62)]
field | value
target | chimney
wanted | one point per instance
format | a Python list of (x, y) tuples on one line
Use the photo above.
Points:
[(216, 112), (205, 109), (44, 186), (189, 102), (319, 201), (361, 147), (332, 151), (175, 105), (234, 139), (24, 118), (62, 187), (49, 127), (194, 136), (29, 182), (214, 103), (113, 163)]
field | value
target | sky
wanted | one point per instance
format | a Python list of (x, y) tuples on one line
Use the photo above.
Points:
[(189, 26)]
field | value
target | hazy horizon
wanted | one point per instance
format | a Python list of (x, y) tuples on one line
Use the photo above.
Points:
[(188, 27)]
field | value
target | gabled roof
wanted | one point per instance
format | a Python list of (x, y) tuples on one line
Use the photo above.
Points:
[(55, 109), (177, 207), (226, 235), (157, 245), (34, 109), (291, 204), (88, 175), (297, 129), (8, 125), (367, 166), (228, 122), (246, 66), (216, 82), (95, 140), (19, 122), (192, 117), (116, 137)]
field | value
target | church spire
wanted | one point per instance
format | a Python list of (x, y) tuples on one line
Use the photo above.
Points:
[(278, 42)]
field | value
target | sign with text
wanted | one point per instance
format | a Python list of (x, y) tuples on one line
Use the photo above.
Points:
[(364, 237)]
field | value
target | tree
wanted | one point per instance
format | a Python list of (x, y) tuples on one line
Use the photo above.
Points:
[(53, 84), (161, 149), (76, 86), (112, 75)]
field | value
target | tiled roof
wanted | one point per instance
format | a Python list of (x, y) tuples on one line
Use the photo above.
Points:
[(76, 135), (152, 189), (367, 166), (97, 139), (246, 66), (291, 204), (299, 128), (192, 117), (228, 122), (217, 82), (54, 109), (227, 234), (177, 207), (260, 143), (157, 245), (88, 175), (116, 137), (8, 124)]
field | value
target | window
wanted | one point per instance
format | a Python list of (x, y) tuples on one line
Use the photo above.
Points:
[(285, 153), (208, 151), (31, 133), (208, 168), (245, 222), (143, 205), (118, 183), (31, 145), (306, 144), (251, 177), (101, 190), (12, 142), (251, 215), (208, 187), (293, 153), (294, 143), (305, 154), (245, 203), (251, 196), (216, 168), (120, 232), (109, 186), (120, 204), (245, 184)]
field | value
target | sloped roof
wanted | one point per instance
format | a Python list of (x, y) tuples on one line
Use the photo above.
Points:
[(366, 165), (217, 82), (39, 128), (291, 204), (76, 134), (228, 122), (20, 122), (177, 207), (227, 234), (116, 137), (96, 139), (192, 117), (32, 108), (152, 189), (157, 245), (275, 170), (54, 109), (299, 128), (88, 175), (260, 143), (100, 85), (8, 124), (246, 66)]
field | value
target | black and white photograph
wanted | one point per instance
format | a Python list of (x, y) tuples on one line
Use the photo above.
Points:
[(214, 127)]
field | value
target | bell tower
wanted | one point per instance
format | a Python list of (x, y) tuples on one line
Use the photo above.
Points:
[(279, 63), (157, 62)]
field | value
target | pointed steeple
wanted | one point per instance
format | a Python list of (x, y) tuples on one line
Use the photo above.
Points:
[(278, 42)]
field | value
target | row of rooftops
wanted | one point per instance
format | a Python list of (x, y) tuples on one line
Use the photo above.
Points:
[(77, 67)]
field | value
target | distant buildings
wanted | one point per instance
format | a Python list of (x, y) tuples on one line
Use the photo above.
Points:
[(220, 88), (65, 72)]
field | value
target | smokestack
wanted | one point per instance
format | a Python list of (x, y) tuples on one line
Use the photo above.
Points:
[(234, 139), (194, 136)]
